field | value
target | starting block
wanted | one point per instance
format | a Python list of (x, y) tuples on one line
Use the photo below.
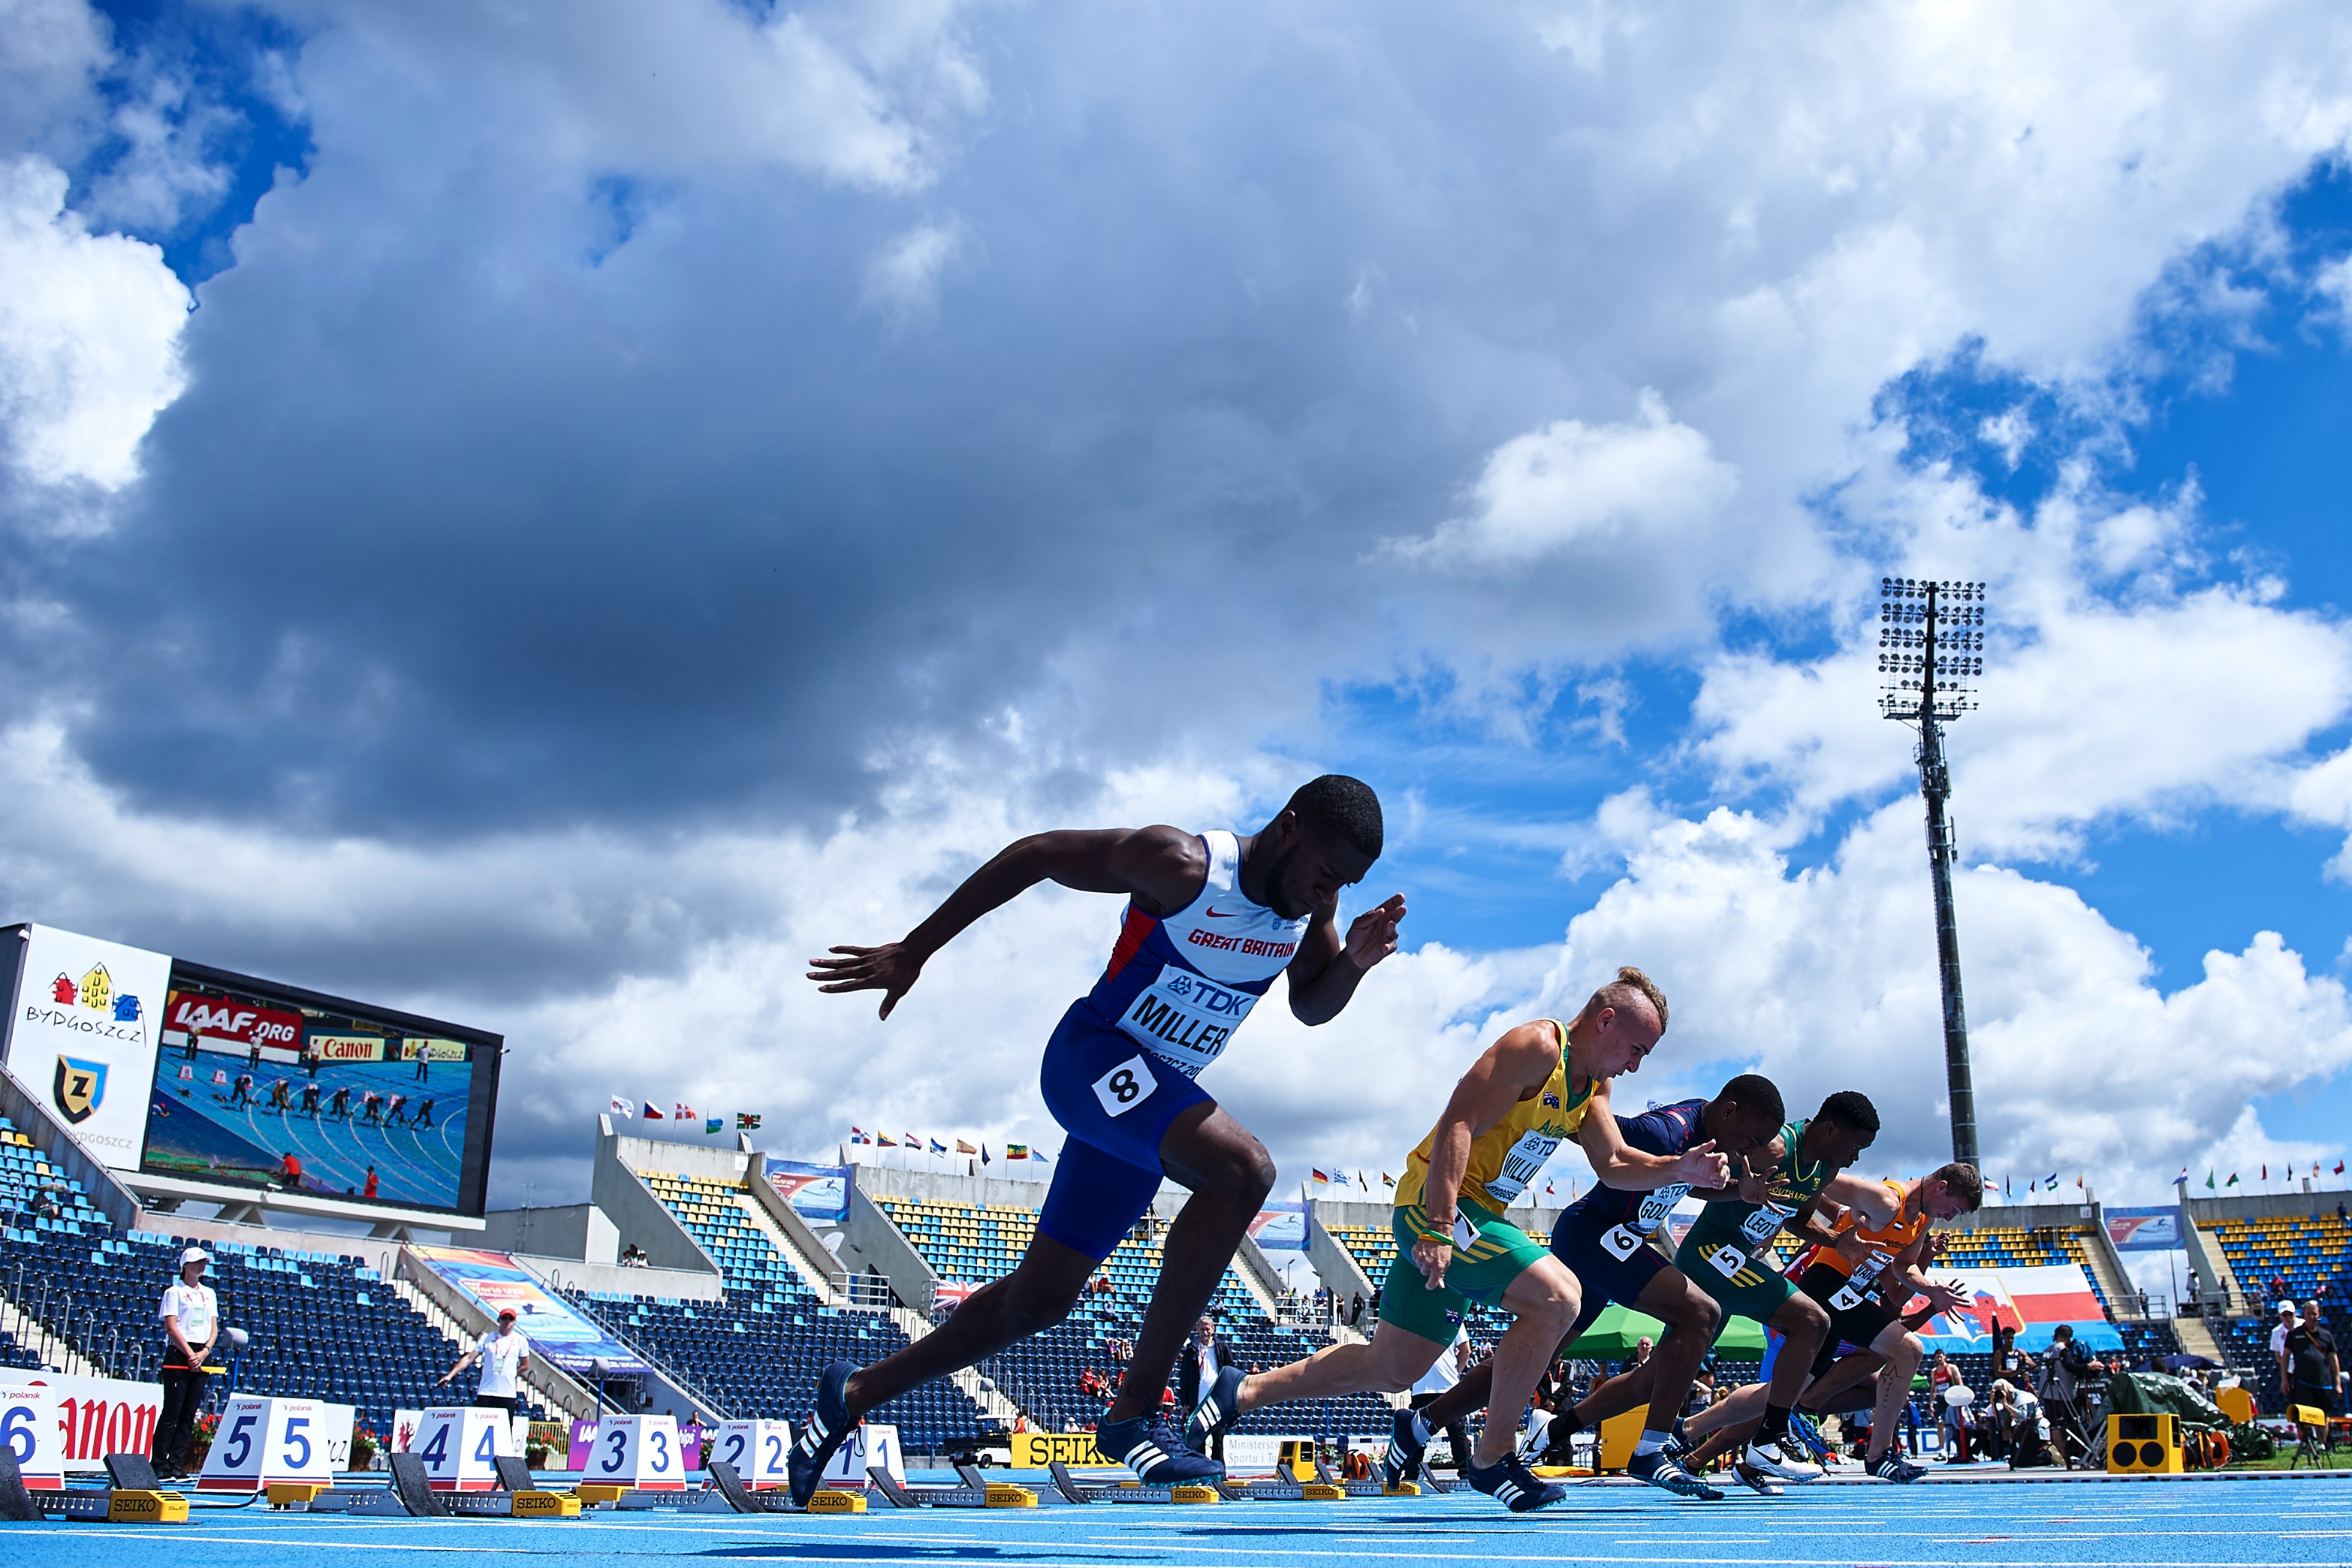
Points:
[(124, 1507), (830, 1500), (1329, 1488), (598, 1494), (79, 1503), (296, 1495)]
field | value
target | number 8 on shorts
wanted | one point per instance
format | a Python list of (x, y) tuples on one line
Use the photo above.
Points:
[(1125, 1086)]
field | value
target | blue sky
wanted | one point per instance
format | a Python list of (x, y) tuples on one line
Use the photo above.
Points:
[(579, 508)]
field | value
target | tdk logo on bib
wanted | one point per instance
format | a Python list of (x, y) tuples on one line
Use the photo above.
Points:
[(1658, 1205), (1186, 1019)]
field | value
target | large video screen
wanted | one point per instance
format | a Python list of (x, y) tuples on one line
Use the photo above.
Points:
[(262, 1086)]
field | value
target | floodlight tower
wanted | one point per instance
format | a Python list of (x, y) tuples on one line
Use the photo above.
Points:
[(1930, 655)]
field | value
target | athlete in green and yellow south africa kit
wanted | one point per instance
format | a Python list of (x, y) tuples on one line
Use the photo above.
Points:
[(1729, 1254), (1539, 1086)]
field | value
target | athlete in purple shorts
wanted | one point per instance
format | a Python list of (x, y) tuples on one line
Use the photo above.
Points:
[(1211, 918)]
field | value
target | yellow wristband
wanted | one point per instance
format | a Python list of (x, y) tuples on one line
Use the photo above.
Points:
[(1444, 1236)]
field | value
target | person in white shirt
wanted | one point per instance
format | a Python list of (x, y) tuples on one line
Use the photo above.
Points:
[(505, 1356), (1441, 1375), (190, 1314), (2288, 1320)]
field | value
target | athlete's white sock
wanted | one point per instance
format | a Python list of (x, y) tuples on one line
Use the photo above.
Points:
[(1650, 1444)]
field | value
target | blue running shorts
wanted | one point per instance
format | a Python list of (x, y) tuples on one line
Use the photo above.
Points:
[(1580, 1242), (1116, 1101)]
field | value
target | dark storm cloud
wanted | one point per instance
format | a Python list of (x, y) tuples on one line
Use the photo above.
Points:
[(471, 518)]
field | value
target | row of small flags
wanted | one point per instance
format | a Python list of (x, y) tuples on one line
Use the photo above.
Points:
[(1335, 1177), (745, 1121), (922, 1144), (2286, 1171)]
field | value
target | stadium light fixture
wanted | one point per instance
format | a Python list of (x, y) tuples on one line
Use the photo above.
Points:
[(1930, 657)]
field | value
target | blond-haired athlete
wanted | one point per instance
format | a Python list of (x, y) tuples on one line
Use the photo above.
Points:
[(1530, 1092)]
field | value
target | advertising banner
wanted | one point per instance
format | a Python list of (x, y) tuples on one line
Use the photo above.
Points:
[(82, 1034), (494, 1282), (225, 1021), (815, 1191), (1280, 1227), (2144, 1230), (96, 1416), (2031, 1300), (333, 1045)]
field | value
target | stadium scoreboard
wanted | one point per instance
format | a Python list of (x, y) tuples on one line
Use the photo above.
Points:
[(165, 1068)]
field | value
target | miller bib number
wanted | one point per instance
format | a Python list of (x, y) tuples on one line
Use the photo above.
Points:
[(1125, 1086)]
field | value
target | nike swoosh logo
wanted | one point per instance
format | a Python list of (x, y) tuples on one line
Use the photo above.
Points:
[(1223, 914)]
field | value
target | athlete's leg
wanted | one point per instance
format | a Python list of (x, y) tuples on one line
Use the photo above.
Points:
[(1395, 1359), (1738, 1410), (1801, 1322), (1663, 1382), (1229, 1174), (1904, 1353), (1843, 1376), (1094, 1202), (1543, 1301)]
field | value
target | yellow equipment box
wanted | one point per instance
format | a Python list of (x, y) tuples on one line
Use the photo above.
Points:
[(831, 1501), (2145, 1445)]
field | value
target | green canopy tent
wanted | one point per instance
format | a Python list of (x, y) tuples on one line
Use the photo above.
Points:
[(1612, 1335)]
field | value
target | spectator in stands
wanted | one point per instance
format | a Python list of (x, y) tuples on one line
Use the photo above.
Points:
[(190, 1314), (1204, 1356), (2343, 1215), (2314, 1371), (1643, 1348), (289, 1171), (505, 1356), (2279, 1331)]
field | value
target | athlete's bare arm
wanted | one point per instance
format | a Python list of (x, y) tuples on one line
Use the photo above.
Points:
[(1161, 867), (1513, 1068), (1628, 1169), (1877, 1205), (1324, 971), (1812, 1226)]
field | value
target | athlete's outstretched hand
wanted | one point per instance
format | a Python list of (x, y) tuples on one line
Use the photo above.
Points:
[(1753, 1187), (1372, 935), (891, 969), (1432, 1258), (1945, 1298), (1701, 1167)]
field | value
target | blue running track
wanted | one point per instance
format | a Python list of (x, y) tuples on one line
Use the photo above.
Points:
[(2155, 1524)]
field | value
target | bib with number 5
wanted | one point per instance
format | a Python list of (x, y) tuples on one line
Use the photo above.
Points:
[(1727, 1260)]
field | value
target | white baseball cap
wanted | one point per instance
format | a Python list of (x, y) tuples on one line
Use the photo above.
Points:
[(2286, 1305), (194, 1255)]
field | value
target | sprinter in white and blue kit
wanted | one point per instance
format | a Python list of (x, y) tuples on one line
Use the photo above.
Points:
[(1211, 919)]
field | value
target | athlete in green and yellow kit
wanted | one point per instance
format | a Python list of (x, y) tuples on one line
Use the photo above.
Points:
[(1539, 1086), (1729, 1254)]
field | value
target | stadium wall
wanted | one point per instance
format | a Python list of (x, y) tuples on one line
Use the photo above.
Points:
[(580, 1232), (571, 1274), (881, 1245), (2267, 1206), (636, 1215)]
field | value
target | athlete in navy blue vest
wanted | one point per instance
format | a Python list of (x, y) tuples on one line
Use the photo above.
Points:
[(1211, 919), (1604, 1238)]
